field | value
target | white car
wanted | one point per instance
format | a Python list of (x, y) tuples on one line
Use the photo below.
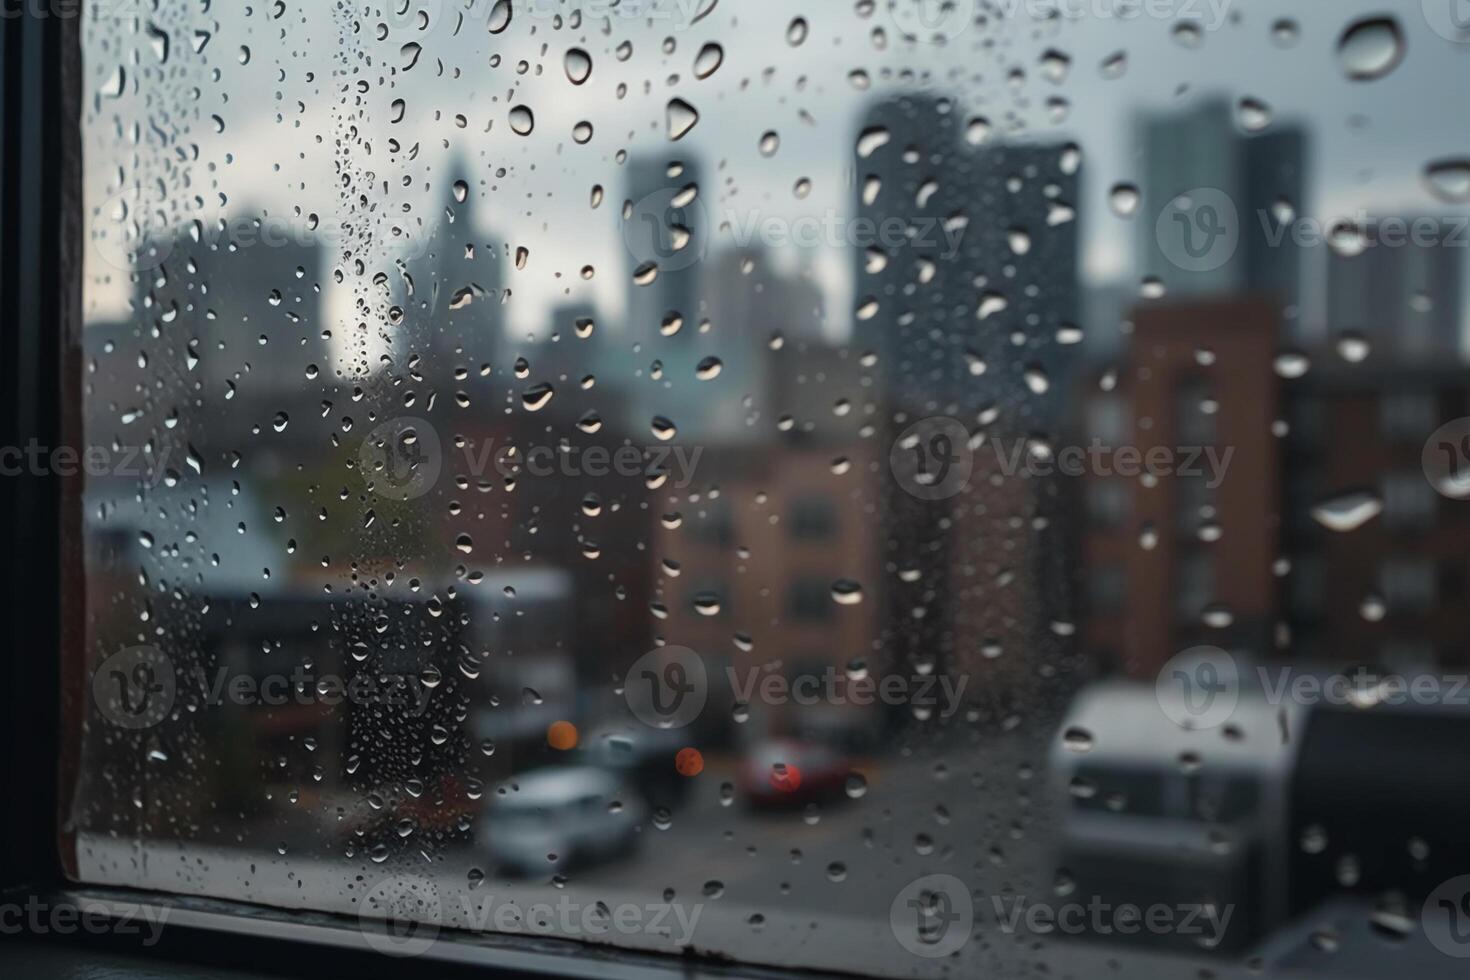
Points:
[(552, 818)]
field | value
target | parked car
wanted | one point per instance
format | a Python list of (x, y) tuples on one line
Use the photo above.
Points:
[(562, 816), (786, 773)]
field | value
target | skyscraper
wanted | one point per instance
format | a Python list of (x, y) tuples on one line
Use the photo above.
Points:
[(1404, 291), (1262, 176)]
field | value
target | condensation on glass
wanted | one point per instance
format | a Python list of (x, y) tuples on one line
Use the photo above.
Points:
[(900, 488)]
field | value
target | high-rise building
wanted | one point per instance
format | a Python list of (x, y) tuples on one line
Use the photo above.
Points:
[(456, 307), (1404, 291), (666, 236), (1262, 176), (968, 297)]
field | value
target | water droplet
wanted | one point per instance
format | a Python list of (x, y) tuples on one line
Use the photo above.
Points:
[(1370, 48), (1188, 34), (1449, 180), (537, 397), (1253, 115), (500, 16), (1124, 199), (681, 118), (1055, 65), (1348, 511), (1291, 365), (1077, 739), (522, 120), (1353, 347), (847, 592), (708, 61), (871, 140), (578, 65)]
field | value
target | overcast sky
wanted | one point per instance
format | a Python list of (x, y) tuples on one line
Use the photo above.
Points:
[(266, 133)]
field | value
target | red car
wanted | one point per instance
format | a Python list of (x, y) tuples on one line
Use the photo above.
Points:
[(787, 773)]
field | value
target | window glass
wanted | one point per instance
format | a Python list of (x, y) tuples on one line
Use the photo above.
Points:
[(884, 486)]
